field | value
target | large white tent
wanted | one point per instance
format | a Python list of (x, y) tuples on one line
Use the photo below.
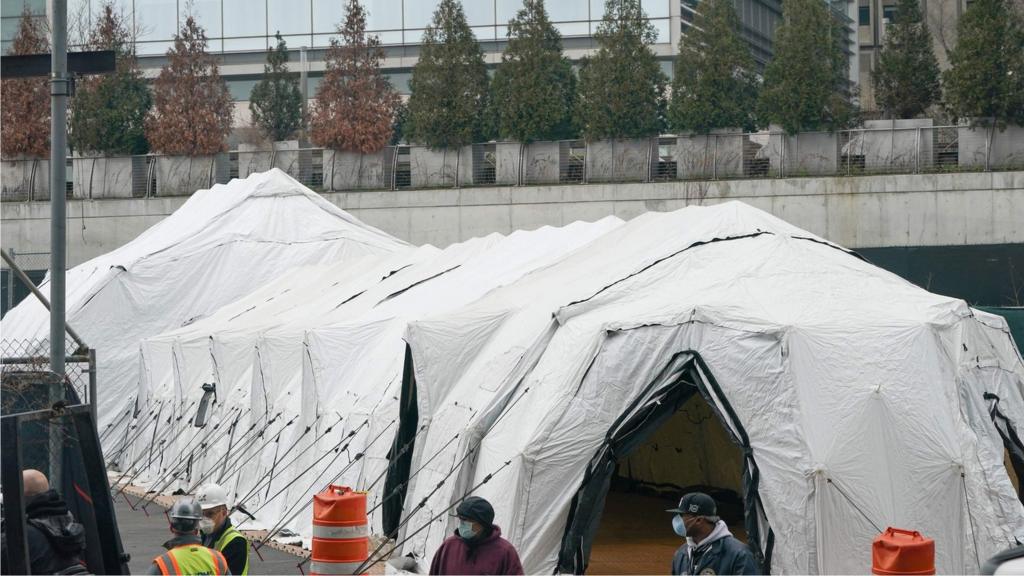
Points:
[(323, 347), (858, 399), (220, 245)]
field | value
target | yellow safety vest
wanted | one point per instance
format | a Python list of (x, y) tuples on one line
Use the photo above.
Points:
[(230, 534), (192, 559)]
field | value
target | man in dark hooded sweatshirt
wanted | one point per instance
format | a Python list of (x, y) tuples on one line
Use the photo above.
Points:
[(56, 542), (476, 547)]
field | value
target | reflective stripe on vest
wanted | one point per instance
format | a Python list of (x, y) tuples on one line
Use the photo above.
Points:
[(334, 567), (192, 559), (226, 538)]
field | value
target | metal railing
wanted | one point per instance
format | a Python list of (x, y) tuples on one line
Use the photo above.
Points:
[(717, 156)]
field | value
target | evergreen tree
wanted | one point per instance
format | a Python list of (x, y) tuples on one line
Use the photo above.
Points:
[(449, 83), (622, 86), (276, 101), (192, 108), (806, 83), (715, 85), (906, 80), (108, 112), (986, 74), (534, 88), (355, 105), (25, 107)]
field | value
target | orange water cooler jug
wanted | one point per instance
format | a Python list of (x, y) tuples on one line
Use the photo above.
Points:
[(341, 542), (897, 551)]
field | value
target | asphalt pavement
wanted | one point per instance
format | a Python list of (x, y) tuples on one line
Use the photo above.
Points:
[(143, 535)]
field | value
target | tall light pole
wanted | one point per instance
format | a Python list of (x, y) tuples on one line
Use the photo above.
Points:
[(59, 90)]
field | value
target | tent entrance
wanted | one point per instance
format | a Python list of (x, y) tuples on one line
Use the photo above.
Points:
[(679, 435)]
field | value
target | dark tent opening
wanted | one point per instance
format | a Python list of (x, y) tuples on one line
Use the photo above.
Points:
[(691, 451), (680, 434)]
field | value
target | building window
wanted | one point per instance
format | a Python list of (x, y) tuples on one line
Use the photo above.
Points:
[(864, 16), (889, 14)]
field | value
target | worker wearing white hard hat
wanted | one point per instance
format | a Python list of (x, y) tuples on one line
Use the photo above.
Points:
[(218, 533)]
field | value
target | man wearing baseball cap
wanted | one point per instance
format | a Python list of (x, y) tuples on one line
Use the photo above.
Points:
[(710, 548), (218, 533), (476, 547)]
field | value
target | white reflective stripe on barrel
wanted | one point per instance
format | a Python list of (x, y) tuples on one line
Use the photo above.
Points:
[(340, 532), (334, 567)]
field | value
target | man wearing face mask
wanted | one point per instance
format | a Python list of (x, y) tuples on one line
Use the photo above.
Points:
[(218, 533), (476, 547), (710, 548)]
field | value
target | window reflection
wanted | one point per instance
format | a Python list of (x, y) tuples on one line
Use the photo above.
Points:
[(327, 15), (418, 13), (567, 10), (207, 15), (288, 17), (384, 15), (156, 19), (246, 18), (479, 12)]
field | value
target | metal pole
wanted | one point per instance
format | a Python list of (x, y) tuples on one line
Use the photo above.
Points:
[(10, 285), (92, 386), (59, 89), (304, 87), (35, 291)]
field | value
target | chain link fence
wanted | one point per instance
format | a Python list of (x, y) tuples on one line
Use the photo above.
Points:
[(29, 356), (898, 149)]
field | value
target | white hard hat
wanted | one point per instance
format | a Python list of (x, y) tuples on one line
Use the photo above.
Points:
[(211, 496)]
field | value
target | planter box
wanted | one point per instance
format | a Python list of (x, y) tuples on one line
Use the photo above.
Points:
[(618, 160), (802, 154), (25, 179), (440, 168), (541, 163), (715, 155), (253, 158), (353, 171), (105, 177), (1007, 147), (183, 175), (893, 144)]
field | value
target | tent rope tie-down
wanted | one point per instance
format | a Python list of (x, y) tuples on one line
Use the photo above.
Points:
[(149, 419), (292, 511), (397, 489), (146, 452), (393, 459), (164, 482), (854, 504), (167, 438), (251, 435), (366, 565), (172, 472), (255, 489), (239, 458), (124, 440), (111, 426), (402, 485)]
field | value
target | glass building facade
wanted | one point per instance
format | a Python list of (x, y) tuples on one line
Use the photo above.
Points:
[(241, 30)]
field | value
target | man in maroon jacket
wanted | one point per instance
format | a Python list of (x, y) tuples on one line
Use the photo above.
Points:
[(476, 547)]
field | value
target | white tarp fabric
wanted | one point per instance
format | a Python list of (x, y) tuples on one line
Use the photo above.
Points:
[(220, 245), (323, 347), (864, 397)]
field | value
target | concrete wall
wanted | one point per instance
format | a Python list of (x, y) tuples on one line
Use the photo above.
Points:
[(858, 212)]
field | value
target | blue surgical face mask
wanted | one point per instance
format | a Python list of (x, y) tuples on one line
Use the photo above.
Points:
[(466, 530), (679, 526)]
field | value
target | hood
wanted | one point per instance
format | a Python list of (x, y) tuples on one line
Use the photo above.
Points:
[(45, 504), (720, 532)]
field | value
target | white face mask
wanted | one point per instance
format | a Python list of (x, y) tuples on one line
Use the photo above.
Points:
[(206, 525), (679, 525), (466, 530)]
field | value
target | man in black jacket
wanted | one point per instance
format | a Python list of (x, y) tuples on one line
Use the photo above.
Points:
[(56, 542), (710, 548)]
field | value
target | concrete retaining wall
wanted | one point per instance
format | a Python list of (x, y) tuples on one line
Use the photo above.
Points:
[(858, 212)]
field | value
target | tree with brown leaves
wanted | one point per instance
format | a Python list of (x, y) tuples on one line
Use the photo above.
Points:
[(355, 104), (192, 108), (25, 114)]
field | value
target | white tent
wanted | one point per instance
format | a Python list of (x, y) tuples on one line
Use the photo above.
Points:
[(324, 348), (859, 400), (221, 244)]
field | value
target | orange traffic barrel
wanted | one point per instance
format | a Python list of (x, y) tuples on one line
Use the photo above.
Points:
[(897, 551), (341, 542)]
